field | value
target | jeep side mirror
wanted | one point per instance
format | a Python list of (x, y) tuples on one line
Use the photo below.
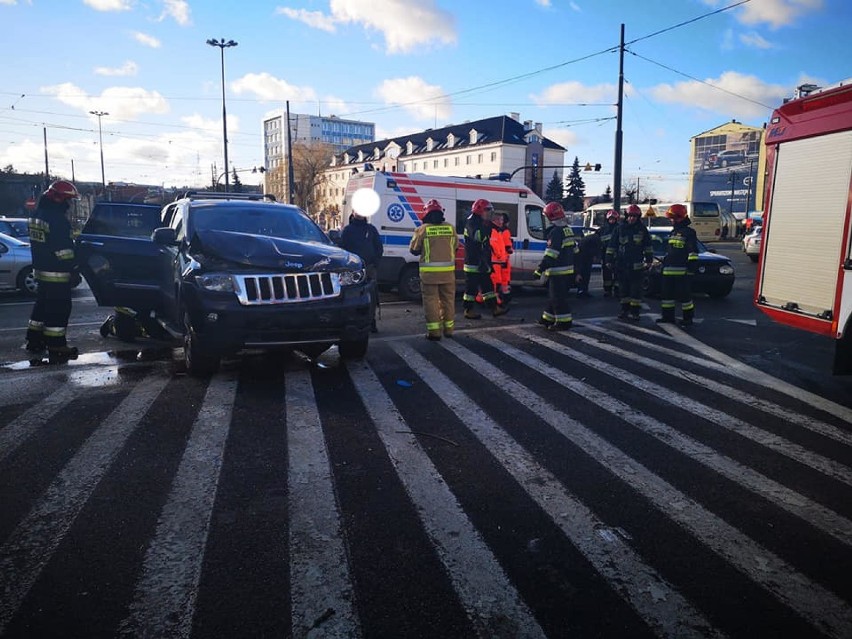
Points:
[(164, 236)]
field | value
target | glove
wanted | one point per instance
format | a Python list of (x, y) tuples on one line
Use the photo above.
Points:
[(75, 279), (537, 274)]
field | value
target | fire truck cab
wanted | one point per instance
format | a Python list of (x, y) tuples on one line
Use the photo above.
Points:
[(805, 269)]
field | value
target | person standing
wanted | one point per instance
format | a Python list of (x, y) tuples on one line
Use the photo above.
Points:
[(56, 271), (629, 251), (589, 245), (362, 238), (436, 242), (558, 265), (477, 261), (605, 234), (679, 264), (501, 250)]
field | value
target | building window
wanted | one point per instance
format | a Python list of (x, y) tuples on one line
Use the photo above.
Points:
[(467, 159), (479, 159), (434, 164), (493, 156), (446, 162), (456, 161)]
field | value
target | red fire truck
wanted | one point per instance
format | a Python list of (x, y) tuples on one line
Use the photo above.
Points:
[(805, 270)]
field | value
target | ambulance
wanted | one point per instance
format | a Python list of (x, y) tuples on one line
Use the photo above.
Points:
[(402, 196)]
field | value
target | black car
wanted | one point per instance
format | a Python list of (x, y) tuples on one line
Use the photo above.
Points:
[(227, 273), (714, 277)]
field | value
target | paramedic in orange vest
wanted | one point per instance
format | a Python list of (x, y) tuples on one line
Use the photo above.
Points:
[(501, 258), (435, 242)]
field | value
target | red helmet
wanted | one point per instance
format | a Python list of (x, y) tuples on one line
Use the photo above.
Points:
[(62, 190), (677, 212), (633, 209), (432, 205), (554, 211), (481, 207), (612, 215)]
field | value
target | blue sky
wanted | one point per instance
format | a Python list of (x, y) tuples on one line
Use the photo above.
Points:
[(406, 65)]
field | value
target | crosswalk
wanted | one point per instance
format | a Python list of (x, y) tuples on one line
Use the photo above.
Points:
[(614, 480)]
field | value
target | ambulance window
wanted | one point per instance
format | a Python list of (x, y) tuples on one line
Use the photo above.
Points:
[(535, 222)]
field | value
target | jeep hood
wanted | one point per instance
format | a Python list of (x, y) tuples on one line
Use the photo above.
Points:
[(275, 253)]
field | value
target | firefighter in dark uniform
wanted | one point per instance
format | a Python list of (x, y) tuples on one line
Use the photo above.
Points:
[(605, 233), (56, 272), (629, 252), (436, 242), (477, 261), (679, 265), (558, 265)]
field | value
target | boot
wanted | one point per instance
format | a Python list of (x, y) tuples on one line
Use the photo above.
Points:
[(668, 317), (686, 322), (497, 311), (61, 354), (625, 312), (471, 314), (560, 326)]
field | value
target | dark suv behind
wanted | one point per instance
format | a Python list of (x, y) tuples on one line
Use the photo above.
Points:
[(227, 273)]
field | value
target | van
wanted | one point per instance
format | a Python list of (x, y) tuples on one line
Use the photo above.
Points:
[(595, 215), (402, 196)]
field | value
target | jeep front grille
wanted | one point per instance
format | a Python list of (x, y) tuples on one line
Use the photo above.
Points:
[(283, 289)]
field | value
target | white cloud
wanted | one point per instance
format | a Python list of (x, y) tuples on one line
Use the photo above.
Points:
[(775, 13), (755, 40), (9, 2), (147, 40), (108, 5), (543, 3), (398, 132), (577, 93), (565, 137), (128, 68), (423, 101), (177, 9), (701, 96), (315, 19), (574, 6), (406, 25), (267, 87), (122, 103)]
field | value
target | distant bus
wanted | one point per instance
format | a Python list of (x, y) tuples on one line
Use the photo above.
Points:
[(706, 217)]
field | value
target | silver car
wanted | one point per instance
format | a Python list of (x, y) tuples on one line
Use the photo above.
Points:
[(16, 266)]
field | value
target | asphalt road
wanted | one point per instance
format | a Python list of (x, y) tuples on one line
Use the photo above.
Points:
[(619, 480)]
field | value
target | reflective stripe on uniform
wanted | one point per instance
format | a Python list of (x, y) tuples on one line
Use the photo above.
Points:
[(53, 276), (35, 325), (437, 267), (54, 331), (560, 270), (65, 254)]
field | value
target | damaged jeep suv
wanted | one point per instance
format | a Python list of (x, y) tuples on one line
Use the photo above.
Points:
[(228, 273)]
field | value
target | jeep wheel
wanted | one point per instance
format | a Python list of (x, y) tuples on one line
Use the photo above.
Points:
[(353, 350), (409, 283), (198, 363)]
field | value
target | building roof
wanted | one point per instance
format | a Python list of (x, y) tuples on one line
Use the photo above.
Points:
[(501, 129)]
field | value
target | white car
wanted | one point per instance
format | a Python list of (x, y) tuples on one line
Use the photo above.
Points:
[(751, 243), (16, 266)]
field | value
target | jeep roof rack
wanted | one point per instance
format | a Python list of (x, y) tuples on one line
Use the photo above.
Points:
[(218, 195)]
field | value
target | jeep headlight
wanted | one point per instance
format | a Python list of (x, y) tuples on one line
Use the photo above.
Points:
[(219, 282), (726, 269), (349, 278)]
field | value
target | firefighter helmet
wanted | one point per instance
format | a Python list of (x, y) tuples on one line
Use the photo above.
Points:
[(481, 207), (432, 205), (554, 211), (62, 190), (677, 212), (612, 215), (634, 210)]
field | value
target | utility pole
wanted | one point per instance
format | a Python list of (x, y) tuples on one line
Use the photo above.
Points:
[(222, 44), (616, 187), (46, 170), (290, 172), (733, 177), (99, 115)]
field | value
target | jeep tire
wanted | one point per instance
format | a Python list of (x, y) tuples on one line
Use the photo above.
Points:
[(197, 362)]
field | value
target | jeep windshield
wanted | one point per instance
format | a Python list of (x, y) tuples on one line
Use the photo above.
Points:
[(269, 220)]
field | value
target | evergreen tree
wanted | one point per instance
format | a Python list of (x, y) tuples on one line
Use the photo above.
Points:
[(576, 191), (236, 185), (553, 193)]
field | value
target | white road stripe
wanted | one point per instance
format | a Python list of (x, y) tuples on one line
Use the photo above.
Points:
[(492, 603), (816, 425), (796, 452), (657, 602), (164, 602), (319, 566), (795, 503), (22, 427), (819, 606), (744, 371), (35, 539)]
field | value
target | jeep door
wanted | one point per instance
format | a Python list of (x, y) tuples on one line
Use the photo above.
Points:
[(120, 262)]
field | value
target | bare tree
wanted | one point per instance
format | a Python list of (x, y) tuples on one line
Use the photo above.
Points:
[(634, 192), (309, 164)]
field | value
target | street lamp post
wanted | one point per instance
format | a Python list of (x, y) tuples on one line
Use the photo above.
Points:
[(100, 114), (223, 44)]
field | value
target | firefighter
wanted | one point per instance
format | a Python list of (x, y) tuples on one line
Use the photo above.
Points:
[(363, 239), (501, 251), (56, 272), (558, 265), (436, 242), (605, 234), (477, 261), (679, 265), (629, 252)]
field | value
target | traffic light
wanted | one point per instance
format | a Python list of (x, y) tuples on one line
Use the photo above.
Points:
[(597, 167), (589, 167)]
